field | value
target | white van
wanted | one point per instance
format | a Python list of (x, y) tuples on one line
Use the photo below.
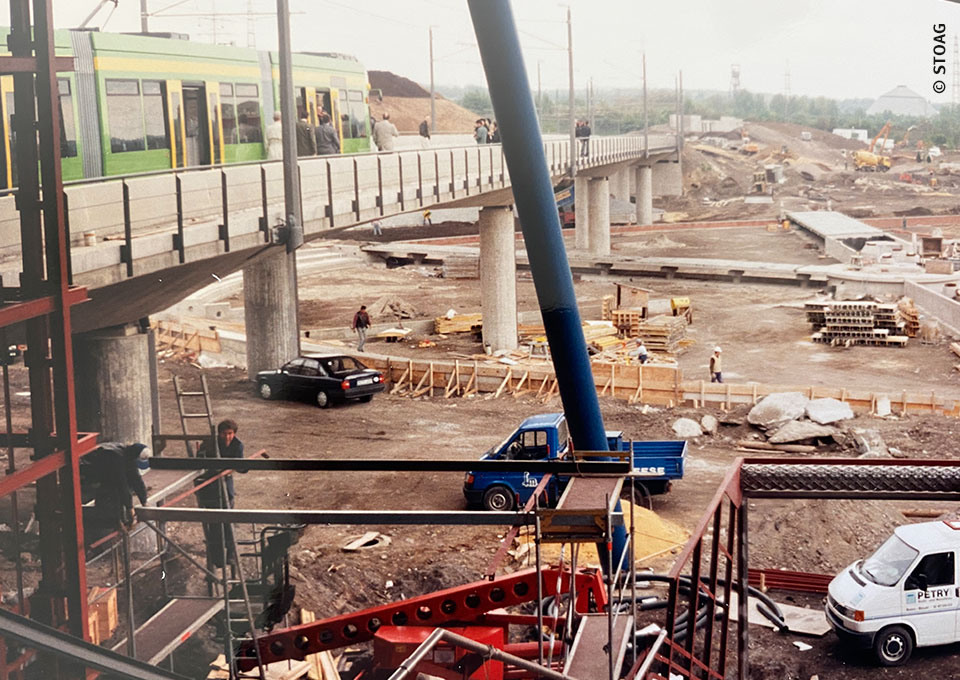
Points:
[(905, 595)]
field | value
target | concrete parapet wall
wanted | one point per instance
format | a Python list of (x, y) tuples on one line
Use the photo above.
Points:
[(930, 300), (92, 207)]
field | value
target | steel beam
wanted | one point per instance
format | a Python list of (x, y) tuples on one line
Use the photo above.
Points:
[(45, 466), (37, 636), (606, 468), (359, 517), (31, 309)]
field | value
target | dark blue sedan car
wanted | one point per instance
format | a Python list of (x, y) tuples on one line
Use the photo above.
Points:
[(322, 379)]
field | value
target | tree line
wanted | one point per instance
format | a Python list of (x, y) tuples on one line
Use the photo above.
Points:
[(621, 112)]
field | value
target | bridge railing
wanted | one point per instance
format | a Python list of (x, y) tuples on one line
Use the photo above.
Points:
[(168, 213)]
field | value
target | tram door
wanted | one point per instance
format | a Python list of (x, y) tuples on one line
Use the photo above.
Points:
[(175, 124), (214, 123), (196, 124), (9, 147), (326, 103), (336, 113)]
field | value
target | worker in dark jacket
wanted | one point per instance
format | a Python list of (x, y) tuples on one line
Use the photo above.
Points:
[(306, 141), (228, 446), (328, 141), (115, 469)]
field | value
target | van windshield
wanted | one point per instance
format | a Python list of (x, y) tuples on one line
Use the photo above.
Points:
[(888, 564)]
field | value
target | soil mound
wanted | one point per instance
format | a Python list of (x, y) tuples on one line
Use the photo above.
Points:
[(392, 85)]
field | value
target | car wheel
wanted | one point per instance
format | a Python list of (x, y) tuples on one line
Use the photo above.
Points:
[(366, 398), (266, 392), (498, 498), (323, 399), (893, 646)]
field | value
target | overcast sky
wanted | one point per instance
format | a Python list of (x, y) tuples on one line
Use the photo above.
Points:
[(836, 48)]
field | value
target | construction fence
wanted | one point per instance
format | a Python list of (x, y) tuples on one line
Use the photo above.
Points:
[(653, 384)]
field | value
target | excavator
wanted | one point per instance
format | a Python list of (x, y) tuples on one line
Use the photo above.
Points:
[(868, 161)]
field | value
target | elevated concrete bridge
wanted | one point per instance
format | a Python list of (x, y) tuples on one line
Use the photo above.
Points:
[(141, 243)]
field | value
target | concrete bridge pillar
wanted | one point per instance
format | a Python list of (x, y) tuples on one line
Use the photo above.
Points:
[(270, 312), (115, 368), (498, 277), (644, 194), (620, 185), (599, 216), (581, 196)]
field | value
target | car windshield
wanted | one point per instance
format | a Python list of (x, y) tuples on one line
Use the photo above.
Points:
[(889, 563), (498, 447)]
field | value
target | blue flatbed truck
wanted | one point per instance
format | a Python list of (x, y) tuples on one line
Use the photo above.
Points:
[(546, 437)]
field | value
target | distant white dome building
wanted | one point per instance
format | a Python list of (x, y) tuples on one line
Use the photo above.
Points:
[(902, 101)]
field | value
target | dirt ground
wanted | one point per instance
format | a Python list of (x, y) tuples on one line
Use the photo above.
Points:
[(761, 328), (799, 535)]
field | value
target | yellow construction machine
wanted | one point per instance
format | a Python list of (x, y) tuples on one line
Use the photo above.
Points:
[(868, 161)]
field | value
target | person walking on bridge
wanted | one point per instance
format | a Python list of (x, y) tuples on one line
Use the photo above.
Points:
[(480, 132), (361, 322), (384, 132), (275, 138), (425, 133), (328, 142), (306, 141)]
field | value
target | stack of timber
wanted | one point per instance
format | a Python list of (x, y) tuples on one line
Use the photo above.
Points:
[(459, 323), (856, 322), (663, 334), (461, 267), (627, 321), (911, 318)]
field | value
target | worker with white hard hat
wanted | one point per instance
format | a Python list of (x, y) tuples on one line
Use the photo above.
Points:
[(715, 375)]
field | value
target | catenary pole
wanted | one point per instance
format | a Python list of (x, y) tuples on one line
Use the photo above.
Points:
[(433, 93), (288, 122)]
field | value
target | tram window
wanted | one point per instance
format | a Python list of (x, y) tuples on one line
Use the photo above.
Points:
[(358, 114), (68, 128), (154, 115), (125, 115), (228, 113), (248, 114)]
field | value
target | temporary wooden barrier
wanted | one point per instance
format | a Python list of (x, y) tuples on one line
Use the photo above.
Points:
[(175, 338), (653, 384)]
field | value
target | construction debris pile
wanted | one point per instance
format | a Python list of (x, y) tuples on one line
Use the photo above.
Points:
[(861, 322)]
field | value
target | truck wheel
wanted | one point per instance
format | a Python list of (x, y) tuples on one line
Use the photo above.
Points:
[(641, 495), (266, 392), (498, 498), (323, 399), (893, 646)]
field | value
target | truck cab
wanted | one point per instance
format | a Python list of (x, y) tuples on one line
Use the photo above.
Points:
[(546, 437), (905, 595)]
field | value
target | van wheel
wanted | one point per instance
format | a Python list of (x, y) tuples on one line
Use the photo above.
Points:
[(893, 646), (498, 498)]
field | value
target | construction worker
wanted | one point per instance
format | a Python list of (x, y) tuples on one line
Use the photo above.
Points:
[(115, 470), (209, 496), (715, 370)]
